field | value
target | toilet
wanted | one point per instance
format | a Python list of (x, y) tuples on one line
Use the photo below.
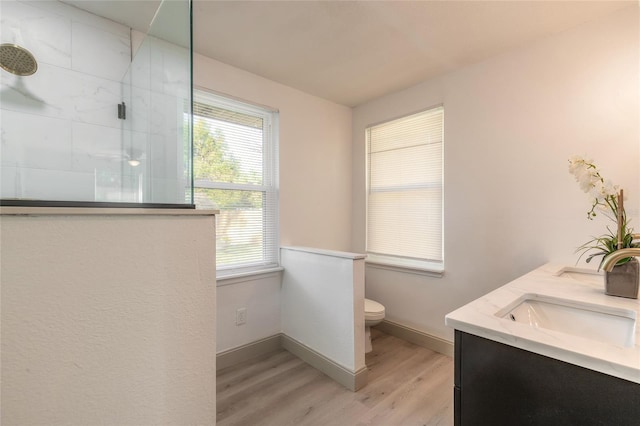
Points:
[(373, 314)]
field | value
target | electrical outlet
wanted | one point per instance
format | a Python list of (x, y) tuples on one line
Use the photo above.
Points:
[(241, 316)]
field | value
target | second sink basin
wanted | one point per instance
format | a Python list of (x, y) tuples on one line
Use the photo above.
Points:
[(599, 323)]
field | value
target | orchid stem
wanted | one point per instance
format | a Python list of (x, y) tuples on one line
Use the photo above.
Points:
[(620, 210)]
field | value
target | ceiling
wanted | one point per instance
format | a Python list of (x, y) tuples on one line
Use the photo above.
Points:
[(351, 52)]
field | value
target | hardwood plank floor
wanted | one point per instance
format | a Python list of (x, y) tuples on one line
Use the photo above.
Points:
[(408, 385)]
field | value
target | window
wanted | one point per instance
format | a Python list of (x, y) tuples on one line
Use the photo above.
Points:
[(235, 171), (404, 191)]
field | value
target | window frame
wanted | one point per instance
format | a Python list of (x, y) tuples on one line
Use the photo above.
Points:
[(269, 187), (399, 263)]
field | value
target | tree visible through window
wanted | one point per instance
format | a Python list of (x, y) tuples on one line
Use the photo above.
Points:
[(234, 166)]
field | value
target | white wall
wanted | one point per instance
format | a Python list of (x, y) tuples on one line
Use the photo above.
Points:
[(511, 123), (260, 295), (315, 154), (108, 320), (323, 303), (315, 184)]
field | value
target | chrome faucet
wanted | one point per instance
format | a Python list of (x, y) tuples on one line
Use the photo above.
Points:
[(612, 258)]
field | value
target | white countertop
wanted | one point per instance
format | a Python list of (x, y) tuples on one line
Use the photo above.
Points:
[(479, 318)]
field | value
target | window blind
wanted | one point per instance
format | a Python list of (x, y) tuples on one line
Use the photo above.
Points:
[(235, 171), (405, 191)]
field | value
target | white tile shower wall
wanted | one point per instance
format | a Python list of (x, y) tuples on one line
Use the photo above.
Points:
[(95, 147), (140, 110), (55, 7), (166, 115), (58, 184), (111, 63), (141, 64), (46, 35), (9, 181), (61, 93), (44, 141), (69, 103)]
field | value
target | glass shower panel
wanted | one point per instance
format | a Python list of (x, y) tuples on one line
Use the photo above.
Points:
[(91, 124), (156, 132)]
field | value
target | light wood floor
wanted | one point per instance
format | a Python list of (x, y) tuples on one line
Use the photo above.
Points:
[(408, 385)]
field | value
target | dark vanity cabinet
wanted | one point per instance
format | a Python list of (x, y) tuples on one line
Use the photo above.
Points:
[(498, 384)]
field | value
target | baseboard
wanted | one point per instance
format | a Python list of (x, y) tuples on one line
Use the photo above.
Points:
[(352, 381), (416, 337), (348, 379), (250, 350)]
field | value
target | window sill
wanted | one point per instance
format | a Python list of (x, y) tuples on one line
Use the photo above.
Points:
[(241, 277), (406, 269)]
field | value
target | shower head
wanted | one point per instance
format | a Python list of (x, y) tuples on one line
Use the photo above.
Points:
[(17, 60)]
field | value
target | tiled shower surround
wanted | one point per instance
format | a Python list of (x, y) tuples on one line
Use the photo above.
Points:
[(61, 137)]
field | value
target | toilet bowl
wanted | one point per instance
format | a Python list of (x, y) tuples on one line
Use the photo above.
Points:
[(373, 314)]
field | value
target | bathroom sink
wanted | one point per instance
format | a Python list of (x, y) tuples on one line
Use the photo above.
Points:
[(594, 322)]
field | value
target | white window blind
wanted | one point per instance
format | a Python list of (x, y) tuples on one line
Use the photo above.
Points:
[(235, 171), (404, 191)]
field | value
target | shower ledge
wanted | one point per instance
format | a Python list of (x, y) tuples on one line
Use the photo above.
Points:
[(99, 211)]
